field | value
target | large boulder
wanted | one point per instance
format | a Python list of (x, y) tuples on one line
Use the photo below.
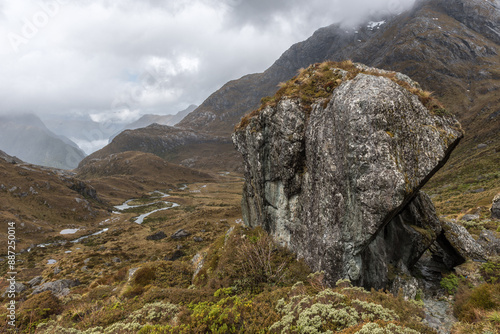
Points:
[(335, 179)]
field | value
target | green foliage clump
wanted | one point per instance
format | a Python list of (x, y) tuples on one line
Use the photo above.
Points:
[(336, 310), (491, 270), (374, 328), (450, 283), (154, 313)]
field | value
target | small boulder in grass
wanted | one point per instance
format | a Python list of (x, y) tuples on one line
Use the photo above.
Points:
[(181, 234), (469, 217), (157, 236), (175, 255), (495, 207)]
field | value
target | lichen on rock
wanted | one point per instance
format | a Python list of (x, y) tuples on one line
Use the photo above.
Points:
[(328, 176)]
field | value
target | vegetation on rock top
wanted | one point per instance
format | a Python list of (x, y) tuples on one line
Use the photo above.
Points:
[(317, 82)]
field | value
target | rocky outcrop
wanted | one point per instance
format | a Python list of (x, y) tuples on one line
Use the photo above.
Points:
[(338, 182), (84, 189), (462, 242), (495, 207)]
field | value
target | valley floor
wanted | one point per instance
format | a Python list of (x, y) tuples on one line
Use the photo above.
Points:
[(192, 267)]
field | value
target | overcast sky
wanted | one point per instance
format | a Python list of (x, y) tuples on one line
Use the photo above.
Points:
[(123, 58)]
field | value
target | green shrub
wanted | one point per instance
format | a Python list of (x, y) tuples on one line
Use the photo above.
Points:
[(450, 283), (491, 270)]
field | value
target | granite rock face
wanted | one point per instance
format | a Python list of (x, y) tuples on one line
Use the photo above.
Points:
[(339, 185)]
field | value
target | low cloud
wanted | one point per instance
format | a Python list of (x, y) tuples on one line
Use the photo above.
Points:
[(120, 59)]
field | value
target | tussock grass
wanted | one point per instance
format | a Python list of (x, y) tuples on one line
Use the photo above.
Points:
[(316, 83)]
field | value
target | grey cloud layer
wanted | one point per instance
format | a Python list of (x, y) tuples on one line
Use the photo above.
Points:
[(149, 56)]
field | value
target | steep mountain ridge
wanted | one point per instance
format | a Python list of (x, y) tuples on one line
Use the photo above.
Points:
[(435, 43), (149, 119), (27, 137)]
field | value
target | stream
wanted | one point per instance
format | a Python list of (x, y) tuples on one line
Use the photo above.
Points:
[(140, 219), (120, 208)]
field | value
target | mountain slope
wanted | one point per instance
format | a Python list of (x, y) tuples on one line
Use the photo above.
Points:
[(26, 137), (42, 201), (176, 145), (447, 46)]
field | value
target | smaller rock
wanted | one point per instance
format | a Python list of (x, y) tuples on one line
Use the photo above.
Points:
[(198, 260), (131, 272), (490, 242), (17, 289), (198, 239), (180, 234), (59, 288), (175, 255), (35, 281), (116, 259), (476, 191), (87, 260), (481, 146), (469, 217), (463, 243), (85, 269), (495, 207), (57, 270), (157, 236)]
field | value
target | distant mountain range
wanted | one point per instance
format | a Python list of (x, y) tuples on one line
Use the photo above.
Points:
[(149, 119), (26, 137)]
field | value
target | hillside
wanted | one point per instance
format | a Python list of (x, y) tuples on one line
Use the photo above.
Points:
[(27, 137), (43, 201), (176, 145), (120, 176)]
